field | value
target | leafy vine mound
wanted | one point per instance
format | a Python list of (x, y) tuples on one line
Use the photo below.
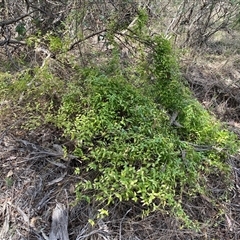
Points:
[(149, 144), (139, 138), (146, 146)]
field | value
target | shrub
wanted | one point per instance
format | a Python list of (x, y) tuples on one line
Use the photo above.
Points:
[(125, 139)]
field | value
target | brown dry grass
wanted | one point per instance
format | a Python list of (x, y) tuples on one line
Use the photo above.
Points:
[(214, 76)]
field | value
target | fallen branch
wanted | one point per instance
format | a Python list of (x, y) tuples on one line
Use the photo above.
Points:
[(2, 43), (84, 39), (11, 21), (59, 226)]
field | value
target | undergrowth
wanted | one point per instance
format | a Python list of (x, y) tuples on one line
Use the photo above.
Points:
[(130, 146)]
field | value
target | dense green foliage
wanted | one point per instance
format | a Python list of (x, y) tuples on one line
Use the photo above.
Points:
[(126, 142), (124, 136), (99, 83)]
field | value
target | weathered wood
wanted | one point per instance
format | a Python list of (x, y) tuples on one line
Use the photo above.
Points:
[(59, 226)]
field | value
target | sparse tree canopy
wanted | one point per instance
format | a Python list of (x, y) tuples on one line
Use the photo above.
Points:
[(190, 23)]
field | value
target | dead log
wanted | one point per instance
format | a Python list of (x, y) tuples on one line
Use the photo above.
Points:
[(59, 228)]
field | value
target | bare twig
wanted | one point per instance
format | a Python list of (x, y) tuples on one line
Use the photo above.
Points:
[(98, 231), (120, 227), (12, 41), (8, 128), (14, 20), (87, 37)]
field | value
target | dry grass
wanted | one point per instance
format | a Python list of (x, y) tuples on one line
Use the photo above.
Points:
[(214, 76)]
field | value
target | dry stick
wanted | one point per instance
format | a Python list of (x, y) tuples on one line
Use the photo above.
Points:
[(177, 17), (5, 44), (120, 227), (89, 36), (135, 37), (6, 224), (120, 41), (11, 21), (12, 42), (8, 40), (44, 200), (8, 128), (100, 232)]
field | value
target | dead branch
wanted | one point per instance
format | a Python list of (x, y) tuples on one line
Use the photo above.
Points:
[(14, 20), (59, 229), (87, 37)]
